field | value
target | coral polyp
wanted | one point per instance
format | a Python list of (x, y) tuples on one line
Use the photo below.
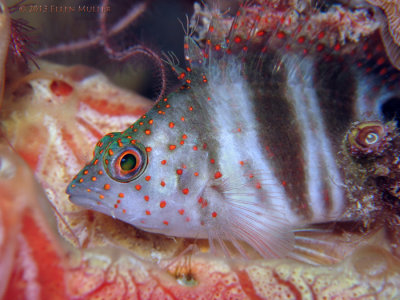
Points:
[(369, 138)]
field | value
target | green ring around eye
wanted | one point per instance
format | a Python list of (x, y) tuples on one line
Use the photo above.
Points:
[(127, 164)]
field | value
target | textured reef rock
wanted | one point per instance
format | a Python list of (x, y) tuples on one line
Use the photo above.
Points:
[(53, 117), (371, 156)]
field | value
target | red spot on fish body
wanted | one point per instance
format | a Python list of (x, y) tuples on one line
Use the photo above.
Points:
[(280, 35), (320, 47), (383, 71), (217, 175)]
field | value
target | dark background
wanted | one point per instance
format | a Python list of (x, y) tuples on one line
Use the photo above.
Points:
[(157, 28)]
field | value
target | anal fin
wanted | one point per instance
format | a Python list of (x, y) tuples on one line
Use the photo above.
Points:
[(327, 244)]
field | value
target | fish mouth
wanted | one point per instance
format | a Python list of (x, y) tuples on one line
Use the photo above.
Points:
[(82, 200), (91, 203), (87, 200), (76, 192)]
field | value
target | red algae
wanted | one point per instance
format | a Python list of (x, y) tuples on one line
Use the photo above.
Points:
[(44, 260), (32, 260)]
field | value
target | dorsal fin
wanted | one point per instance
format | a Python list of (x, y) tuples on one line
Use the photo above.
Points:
[(259, 26), (194, 56)]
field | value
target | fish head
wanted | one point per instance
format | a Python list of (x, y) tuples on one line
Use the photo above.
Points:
[(150, 176)]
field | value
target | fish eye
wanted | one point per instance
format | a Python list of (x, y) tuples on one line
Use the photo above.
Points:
[(126, 164)]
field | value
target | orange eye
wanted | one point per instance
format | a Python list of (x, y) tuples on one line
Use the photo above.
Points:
[(127, 164)]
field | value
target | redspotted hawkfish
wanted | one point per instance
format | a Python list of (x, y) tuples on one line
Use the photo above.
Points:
[(246, 151)]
